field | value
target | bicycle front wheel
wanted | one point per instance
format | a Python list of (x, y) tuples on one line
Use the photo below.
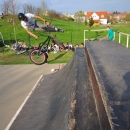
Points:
[(38, 57)]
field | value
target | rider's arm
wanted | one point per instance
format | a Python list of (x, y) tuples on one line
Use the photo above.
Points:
[(30, 33), (38, 17)]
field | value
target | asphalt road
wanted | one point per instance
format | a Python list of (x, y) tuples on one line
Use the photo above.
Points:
[(16, 81)]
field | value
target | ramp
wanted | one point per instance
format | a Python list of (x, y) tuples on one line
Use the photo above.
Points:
[(111, 66), (63, 101)]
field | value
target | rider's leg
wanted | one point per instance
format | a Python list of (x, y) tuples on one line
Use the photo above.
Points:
[(47, 28)]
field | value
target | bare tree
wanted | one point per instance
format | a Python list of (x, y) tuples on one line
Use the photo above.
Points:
[(43, 7), (28, 8), (54, 14), (14, 6), (4, 7), (39, 11), (24, 6)]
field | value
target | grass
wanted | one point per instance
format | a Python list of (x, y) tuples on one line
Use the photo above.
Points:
[(74, 32), (12, 58)]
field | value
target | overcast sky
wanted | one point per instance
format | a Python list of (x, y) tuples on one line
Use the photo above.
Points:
[(72, 6)]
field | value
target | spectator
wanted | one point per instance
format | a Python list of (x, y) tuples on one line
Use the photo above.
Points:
[(62, 47), (10, 20), (67, 46), (77, 46), (70, 46), (2, 16), (82, 45), (110, 34), (14, 46), (56, 48)]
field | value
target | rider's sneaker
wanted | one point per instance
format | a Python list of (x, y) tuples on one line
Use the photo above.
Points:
[(60, 30)]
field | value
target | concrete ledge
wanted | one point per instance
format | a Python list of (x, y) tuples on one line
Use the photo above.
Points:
[(102, 113), (109, 62)]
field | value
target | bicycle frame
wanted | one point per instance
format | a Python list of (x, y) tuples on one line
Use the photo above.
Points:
[(46, 42)]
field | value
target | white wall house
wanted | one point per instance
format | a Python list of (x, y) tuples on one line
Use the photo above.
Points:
[(98, 16)]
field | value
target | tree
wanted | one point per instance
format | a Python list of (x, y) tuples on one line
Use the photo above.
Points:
[(91, 22), (13, 6), (43, 7), (24, 6), (86, 23), (4, 7), (127, 17), (28, 8), (79, 16), (54, 14)]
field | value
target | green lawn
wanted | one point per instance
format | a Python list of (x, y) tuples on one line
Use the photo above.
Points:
[(74, 32)]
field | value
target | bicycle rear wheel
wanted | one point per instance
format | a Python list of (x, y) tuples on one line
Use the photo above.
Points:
[(38, 57)]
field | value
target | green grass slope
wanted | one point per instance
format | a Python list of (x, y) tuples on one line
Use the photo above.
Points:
[(73, 32)]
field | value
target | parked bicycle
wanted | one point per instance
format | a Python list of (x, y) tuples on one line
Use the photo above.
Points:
[(97, 36), (39, 55)]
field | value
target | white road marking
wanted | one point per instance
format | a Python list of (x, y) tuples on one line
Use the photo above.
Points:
[(18, 111)]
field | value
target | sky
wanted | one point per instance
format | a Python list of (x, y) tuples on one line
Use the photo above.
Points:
[(72, 6)]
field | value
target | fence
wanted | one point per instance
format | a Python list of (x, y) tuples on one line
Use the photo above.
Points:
[(127, 38), (2, 38)]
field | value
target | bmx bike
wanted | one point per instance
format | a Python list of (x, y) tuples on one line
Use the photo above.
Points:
[(97, 36), (39, 55)]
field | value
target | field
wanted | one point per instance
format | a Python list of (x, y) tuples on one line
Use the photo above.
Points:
[(74, 32)]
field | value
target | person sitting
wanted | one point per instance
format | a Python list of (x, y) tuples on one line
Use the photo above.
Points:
[(2, 16), (10, 20), (14, 46), (54, 46), (77, 46), (62, 47), (67, 46), (70, 46), (109, 36)]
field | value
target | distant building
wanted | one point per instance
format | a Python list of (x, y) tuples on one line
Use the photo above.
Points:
[(117, 16), (46, 13), (69, 15), (98, 17)]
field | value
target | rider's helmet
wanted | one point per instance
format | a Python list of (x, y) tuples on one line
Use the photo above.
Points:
[(21, 16)]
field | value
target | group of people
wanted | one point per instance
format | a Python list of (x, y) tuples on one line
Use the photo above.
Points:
[(56, 47), (20, 46)]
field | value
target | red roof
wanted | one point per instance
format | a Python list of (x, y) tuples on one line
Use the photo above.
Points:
[(102, 14)]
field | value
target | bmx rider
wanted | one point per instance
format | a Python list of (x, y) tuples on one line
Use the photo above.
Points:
[(28, 22)]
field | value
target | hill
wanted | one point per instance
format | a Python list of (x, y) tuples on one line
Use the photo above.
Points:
[(73, 32)]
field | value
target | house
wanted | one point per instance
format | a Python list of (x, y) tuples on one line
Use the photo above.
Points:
[(98, 17)]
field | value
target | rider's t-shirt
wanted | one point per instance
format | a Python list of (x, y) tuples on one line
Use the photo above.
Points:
[(30, 23), (110, 34)]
